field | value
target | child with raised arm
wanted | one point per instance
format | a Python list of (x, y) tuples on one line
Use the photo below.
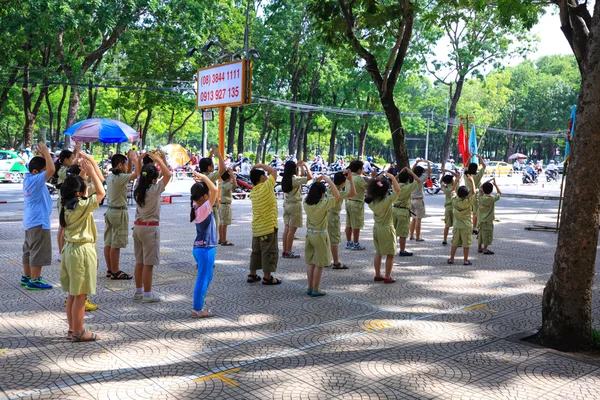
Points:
[(116, 218), (333, 215), (417, 202), (203, 197), (37, 207), (355, 207), (80, 259), (227, 185), (461, 214), (207, 167), (65, 159), (474, 188), (265, 251), (146, 233), (485, 210), (408, 182), (384, 233), (294, 176), (449, 182), (316, 252)]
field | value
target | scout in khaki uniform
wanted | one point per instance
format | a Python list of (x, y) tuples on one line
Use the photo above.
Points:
[(477, 176), (461, 230), (65, 159), (485, 210), (384, 233), (207, 167), (294, 176), (355, 207), (227, 185), (146, 232), (333, 215), (265, 251), (448, 187), (408, 182), (417, 202), (316, 251), (116, 218), (80, 260)]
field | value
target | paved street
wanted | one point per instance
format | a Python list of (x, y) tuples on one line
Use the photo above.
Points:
[(442, 331)]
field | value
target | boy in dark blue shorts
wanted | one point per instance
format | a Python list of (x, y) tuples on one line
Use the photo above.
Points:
[(37, 248)]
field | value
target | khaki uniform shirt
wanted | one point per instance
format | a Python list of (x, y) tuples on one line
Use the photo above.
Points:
[(295, 195), (81, 227), (382, 210), (486, 207), (226, 189), (461, 212), (151, 210), (116, 189), (316, 215)]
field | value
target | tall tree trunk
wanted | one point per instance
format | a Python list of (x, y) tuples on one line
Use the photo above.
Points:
[(276, 140), (50, 135), (305, 137), (567, 298), (174, 131), (12, 79), (392, 114), (293, 137), (146, 127), (262, 142), (92, 99), (509, 147), (332, 139), (30, 113), (72, 113), (362, 136), (231, 132), (455, 97), (266, 145), (241, 127), (59, 109)]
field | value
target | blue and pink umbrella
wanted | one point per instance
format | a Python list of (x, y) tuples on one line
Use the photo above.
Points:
[(103, 129)]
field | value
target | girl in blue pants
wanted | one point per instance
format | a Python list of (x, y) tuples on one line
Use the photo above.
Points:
[(203, 196)]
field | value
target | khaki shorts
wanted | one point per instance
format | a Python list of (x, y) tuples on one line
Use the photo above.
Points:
[(37, 247), (355, 214), (146, 244), (486, 233), (448, 217), (317, 250), (334, 228), (417, 207), (116, 232), (78, 267), (384, 239), (401, 221), (462, 237), (265, 253), (225, 214), (216, 214), (292, 214)]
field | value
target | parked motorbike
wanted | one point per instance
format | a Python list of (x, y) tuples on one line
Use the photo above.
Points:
[(432, 185)]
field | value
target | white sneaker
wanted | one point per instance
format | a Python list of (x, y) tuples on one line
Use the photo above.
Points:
[(151, 299), (138, 296)]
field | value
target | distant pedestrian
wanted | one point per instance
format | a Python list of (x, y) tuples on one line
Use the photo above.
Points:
[(486, 208), (37, 207), (384, 233), (462, 207), (203, 197)]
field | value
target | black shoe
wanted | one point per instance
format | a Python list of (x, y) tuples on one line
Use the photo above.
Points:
[(405, 254), (444, 243), (475, 231)]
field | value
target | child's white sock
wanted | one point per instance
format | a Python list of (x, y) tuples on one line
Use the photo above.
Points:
[(147, 294), (139, 290)]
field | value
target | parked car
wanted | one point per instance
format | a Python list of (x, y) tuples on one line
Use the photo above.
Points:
[(12, 167), (498, 168), (436, 169)]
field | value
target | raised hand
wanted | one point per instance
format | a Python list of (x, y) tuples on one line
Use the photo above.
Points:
[(43, 149)]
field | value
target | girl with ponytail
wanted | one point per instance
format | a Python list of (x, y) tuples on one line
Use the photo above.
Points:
[(65, 159), (79, 258), (202, 198), (294, 176), (146, 234)]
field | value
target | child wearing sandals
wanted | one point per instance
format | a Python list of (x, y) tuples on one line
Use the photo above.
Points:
[(80, 259), (146, 234), (291, 185), (462, 205), (316, 251), (227, 185), (116, 218), (333, 215), (408, 181), (448, 187), (384, 233), (485, 210), (202, 198)]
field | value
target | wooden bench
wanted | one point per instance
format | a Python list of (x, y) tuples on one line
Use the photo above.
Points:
[(168, 198)]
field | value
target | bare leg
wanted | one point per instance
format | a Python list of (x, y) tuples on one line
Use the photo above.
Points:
[(335, 255), (316, 278), (286, 230), (453, 253), (402, 244), (138, 275), (377, 265), (389, 263), (418, 228), (412, 228), (310, 272), (147, 278), (61, 239), (474, 220), (348, 234), (77, 313), (31, 271), (115, 255), (224, 233), (107, 258), (70, 300), (355, 234), (466, 254), (446, 230), (291, 233)]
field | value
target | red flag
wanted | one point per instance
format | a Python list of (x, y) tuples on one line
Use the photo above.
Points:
[(463, 148)]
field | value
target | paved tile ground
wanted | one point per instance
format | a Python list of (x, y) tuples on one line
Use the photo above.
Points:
[(442, 331)]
